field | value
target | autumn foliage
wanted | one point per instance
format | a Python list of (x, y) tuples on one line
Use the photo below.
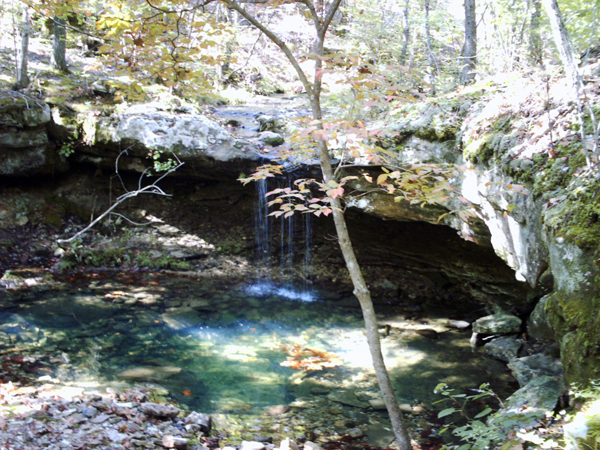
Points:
[(304, 358)]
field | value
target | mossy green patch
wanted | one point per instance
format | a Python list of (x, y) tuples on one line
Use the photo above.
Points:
[(576, 319), (105, 256)]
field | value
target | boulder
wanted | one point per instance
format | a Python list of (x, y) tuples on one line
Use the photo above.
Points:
[(538, 324), (503, 348), (501, 323), (309, 445), (187, 135), (347, 398), (201, 144), (529, 405), (288, 444), (531, 367), (270, 138), (269, 122), (203, 421), (182, 318)]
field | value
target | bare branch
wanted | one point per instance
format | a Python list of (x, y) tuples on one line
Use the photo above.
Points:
[(150, 189)]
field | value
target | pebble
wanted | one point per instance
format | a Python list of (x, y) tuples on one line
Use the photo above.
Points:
[(175, 442), (355, 433)]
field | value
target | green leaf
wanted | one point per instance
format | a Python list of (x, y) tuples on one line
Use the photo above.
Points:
[(485, 412), (446, 412), (440, 387)]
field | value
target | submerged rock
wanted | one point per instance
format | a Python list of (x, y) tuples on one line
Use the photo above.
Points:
[(150, 373)]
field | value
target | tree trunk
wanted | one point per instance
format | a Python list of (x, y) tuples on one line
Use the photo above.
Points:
[(565, 46), (59, 46), (23, 52), (536, 49), (360, 287), (404, 53), (430, 56), (562, 39), (366, 304), (470, 48)]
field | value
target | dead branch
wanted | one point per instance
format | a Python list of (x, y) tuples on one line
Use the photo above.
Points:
[(149, 189)]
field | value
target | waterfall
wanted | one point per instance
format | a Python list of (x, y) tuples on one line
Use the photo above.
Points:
[(288, 248), (262, 224)]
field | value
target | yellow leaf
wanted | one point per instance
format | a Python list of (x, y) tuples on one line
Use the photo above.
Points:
[(382, 178)]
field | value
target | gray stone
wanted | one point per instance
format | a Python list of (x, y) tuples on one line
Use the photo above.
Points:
[(175, 442), (529, 405), (89, 412), (270, 138), (503, 348), (355, 433), (182, 318), (458, 324), (115, 436), (270, 123), (288, 444), (252, 445), (189, 136), (538, 325), (347, 398), (204, 421), (528, 368), (149, 373), (501, 323), (12, 138), (377, 404), (309, 445), (159, 410)]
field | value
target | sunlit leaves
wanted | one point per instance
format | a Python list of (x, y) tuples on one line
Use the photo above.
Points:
[(168, 42)]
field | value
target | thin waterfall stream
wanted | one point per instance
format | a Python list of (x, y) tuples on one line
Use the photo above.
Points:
[(293, 279)]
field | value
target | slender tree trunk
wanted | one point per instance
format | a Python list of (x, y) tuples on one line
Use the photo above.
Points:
[(567, 56), (23, 52), (366, 304), (321, 23), (430, 56), (470, 49), (59, 46), (404, 53), (563, 42), (536, 50)]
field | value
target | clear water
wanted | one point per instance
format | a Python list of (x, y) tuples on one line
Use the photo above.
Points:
[(219, 350)]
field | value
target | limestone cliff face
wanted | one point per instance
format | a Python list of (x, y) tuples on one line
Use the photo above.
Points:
[(530, 197), (35, 140), (25, 148)]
